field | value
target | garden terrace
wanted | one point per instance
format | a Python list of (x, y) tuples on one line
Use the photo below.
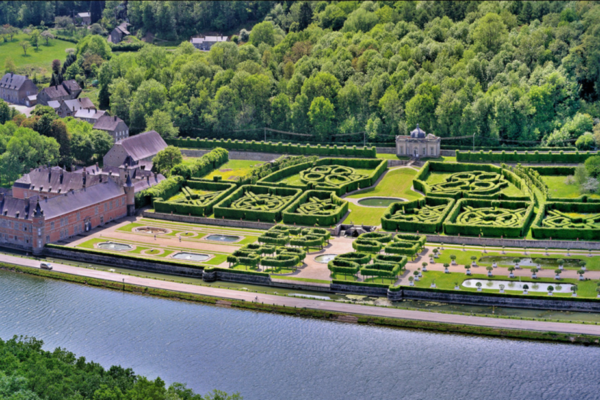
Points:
[(423, 215), (196, 198), (456, 180), (340, 175), (256, 203), (555, 178), (489, 218), (568, 221), (316, 207), (526, 157)]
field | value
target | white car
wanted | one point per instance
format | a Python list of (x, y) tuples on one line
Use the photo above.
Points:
[(46, 265)]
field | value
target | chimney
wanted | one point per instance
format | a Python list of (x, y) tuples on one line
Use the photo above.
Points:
[(49, 174), (26, 76), (79, 100), (115, 117), (61, 177)]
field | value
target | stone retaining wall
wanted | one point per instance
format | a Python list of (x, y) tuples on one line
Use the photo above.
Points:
[(448, 153), (490, 300), (364, 290), (130, 263), (219, 275), (497, 242)]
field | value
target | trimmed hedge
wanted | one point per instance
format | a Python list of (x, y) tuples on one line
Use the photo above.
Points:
[(164, 206), (407, 237), (165, 189), (402, 248), (550, 221), (283, 260), (534, 157), (360, 258), (378, 167), (203, 165), (270, 147), (367, 245), (391, 258), (451, 227), (324, 233), (306, 241), (308, 209), (508, 148), (381, 270), (428, 219), (343, 266), (275, 238), (224, 209), (554, 170)]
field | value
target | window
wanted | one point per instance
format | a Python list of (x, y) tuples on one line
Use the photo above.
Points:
[(39, 231), (52, 225), (78, 216), (47, 238), (96, 210), (431, 150)]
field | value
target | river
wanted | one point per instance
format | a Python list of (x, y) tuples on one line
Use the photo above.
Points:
[(268, 356)]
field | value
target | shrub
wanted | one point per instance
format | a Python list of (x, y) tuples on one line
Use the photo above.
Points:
[(529, 158)]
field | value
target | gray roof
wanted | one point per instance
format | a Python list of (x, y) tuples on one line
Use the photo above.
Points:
[(210, 39), (73, 201), (82, 102), (54, 104), (54, 180), (148, 182), (144, 145), (84, 14), (12, 81), (55, 92), (32, 97), (18, 208), (89, 114), (71, 85), (107, 123), (418, 133), (123, 28)]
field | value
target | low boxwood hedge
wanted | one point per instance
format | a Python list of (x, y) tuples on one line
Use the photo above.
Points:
[(422, 215), (316, 207), (258, 207), (528, 157), (555, 220)]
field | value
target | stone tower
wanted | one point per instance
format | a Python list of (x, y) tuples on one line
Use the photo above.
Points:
[(130, 195), (38, 238)]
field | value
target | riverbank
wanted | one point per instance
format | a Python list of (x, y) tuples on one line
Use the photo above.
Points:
[(380, 316)]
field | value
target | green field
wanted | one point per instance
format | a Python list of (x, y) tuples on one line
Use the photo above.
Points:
[(558, 188), (38, 61), (234, 169), (396, 183)]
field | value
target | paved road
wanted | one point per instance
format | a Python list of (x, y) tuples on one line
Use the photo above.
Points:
[(319, 305)]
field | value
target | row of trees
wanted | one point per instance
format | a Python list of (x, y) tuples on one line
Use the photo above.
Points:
[(508, 73), (27, 372)]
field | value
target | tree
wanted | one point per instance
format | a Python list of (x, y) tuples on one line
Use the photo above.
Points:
[(167, 159), (263, 32), (581, 172), (322, 114), (47, 35), (25, 45), (120, 98), (161, 122), (56, 66), (9, 66), (592, 166), (490, 32), (150, 96), (489, 270)]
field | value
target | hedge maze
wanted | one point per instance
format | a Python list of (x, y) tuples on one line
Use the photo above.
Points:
[(196, 197), (423, 215), (490, 218), (474, 182), (568, 221), (330, 175), (316, 207), (559, 219), (256, 203)]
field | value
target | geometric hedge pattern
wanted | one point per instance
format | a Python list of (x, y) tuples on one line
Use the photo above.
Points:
[(559, 219), (492, 216), (471, 181), (330, 175), (427, 214), (260, 202), (189, 196), (316, 206)]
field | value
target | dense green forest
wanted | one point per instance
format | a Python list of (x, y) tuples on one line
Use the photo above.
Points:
[(27, 372), (506, 72)]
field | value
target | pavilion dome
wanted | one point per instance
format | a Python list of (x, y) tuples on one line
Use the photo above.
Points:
[(418, 133)]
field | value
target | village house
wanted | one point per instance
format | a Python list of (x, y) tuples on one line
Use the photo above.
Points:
[(86, 18), (68, 90), (68, 108), (114, 126), (139, 148), (89, 115), (17, 88), (205, 43), (118, 33)]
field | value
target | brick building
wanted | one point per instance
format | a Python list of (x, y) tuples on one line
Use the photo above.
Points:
[(31, 223)]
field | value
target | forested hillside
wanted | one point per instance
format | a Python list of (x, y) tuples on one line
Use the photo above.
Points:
[(507, 72)]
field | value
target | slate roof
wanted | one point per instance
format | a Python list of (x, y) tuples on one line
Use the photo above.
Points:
[(18, 208), (210, 39), (123, 28), (418, 133), (12, 81), (55, 92), (54, 104), (51, 182), (144, 145), (82, 102), (84, 14), (71, 85), (86, 197), (107, 123), (148, 182), (89, 114)]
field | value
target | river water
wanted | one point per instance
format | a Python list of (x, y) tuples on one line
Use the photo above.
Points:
[(267, 356)]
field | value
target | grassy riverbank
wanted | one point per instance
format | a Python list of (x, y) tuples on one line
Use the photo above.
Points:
[(304, 312)]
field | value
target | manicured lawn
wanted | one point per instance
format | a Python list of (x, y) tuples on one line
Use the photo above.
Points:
[(40, 59), (343, 277), (364, 215), (448, 281), (395, 183), (293, 278), (558, 188), (391, 157), (238, 169)]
